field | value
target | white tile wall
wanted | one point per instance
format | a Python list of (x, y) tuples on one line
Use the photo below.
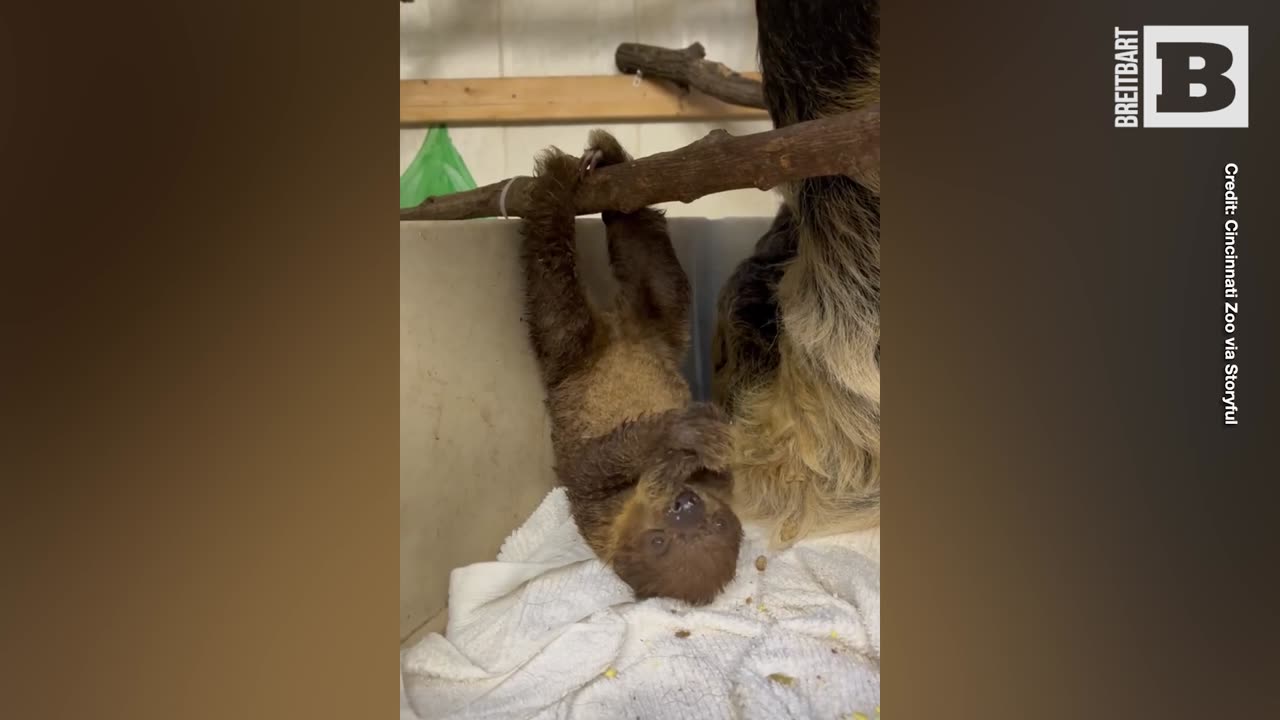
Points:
[(497, 38), (562, 37)]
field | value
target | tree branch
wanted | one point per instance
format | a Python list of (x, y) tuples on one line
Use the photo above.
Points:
[(846, 144), (689, 68)]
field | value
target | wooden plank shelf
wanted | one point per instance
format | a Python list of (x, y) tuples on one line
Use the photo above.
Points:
[(559, 99)]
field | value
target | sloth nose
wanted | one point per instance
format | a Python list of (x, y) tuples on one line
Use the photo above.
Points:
[(685, 501), (686, 510)]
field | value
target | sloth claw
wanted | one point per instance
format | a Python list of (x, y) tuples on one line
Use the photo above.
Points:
[(590, 159)]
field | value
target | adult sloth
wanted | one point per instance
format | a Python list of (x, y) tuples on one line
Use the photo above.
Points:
[(797, 349)]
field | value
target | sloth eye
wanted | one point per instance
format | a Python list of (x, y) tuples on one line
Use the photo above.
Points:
[(657, 541)]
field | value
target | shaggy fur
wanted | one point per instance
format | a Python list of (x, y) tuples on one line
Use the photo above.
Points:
[(799, 331), (744, 351), (647, 473)]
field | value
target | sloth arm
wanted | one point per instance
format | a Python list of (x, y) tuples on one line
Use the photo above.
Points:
[(677, 442)]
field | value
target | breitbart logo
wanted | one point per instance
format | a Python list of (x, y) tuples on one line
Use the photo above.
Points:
[(1181, 76)]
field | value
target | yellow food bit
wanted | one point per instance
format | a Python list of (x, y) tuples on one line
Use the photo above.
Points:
[(859, 716), (761, 608), (834, 635), (611, 673), (782, 679)]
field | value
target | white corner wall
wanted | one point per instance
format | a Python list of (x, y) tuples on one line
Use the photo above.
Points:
[(475, 453)]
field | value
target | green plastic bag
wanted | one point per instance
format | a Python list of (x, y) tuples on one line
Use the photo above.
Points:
[(438, 169)]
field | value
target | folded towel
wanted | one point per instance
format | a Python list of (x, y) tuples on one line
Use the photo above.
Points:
[(548, 631)]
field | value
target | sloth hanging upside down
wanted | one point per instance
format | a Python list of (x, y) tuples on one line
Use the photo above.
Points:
[(646, 471), (654, 480), (797, 346)]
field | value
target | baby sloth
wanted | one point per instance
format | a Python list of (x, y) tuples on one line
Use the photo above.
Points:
[(645, 470)]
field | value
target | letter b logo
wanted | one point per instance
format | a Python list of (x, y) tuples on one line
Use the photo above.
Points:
[(1195, 76)]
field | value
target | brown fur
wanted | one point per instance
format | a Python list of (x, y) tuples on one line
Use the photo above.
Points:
[(646, 472), (798, 338)]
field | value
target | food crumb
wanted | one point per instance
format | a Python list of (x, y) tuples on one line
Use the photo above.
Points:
[(748, 600), (834, 635), (782, 679), (611, 673), (682, 634), (761, 563)]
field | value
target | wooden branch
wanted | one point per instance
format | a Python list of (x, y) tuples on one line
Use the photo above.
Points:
[(689, 68), (588, 98), (847, 144)]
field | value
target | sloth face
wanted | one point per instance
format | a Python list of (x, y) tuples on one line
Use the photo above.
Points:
[(679, 540)]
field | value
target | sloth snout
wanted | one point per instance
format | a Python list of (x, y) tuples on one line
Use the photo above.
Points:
[(686, 509)]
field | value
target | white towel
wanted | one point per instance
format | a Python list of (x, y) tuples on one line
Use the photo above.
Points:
[(548, 631)]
